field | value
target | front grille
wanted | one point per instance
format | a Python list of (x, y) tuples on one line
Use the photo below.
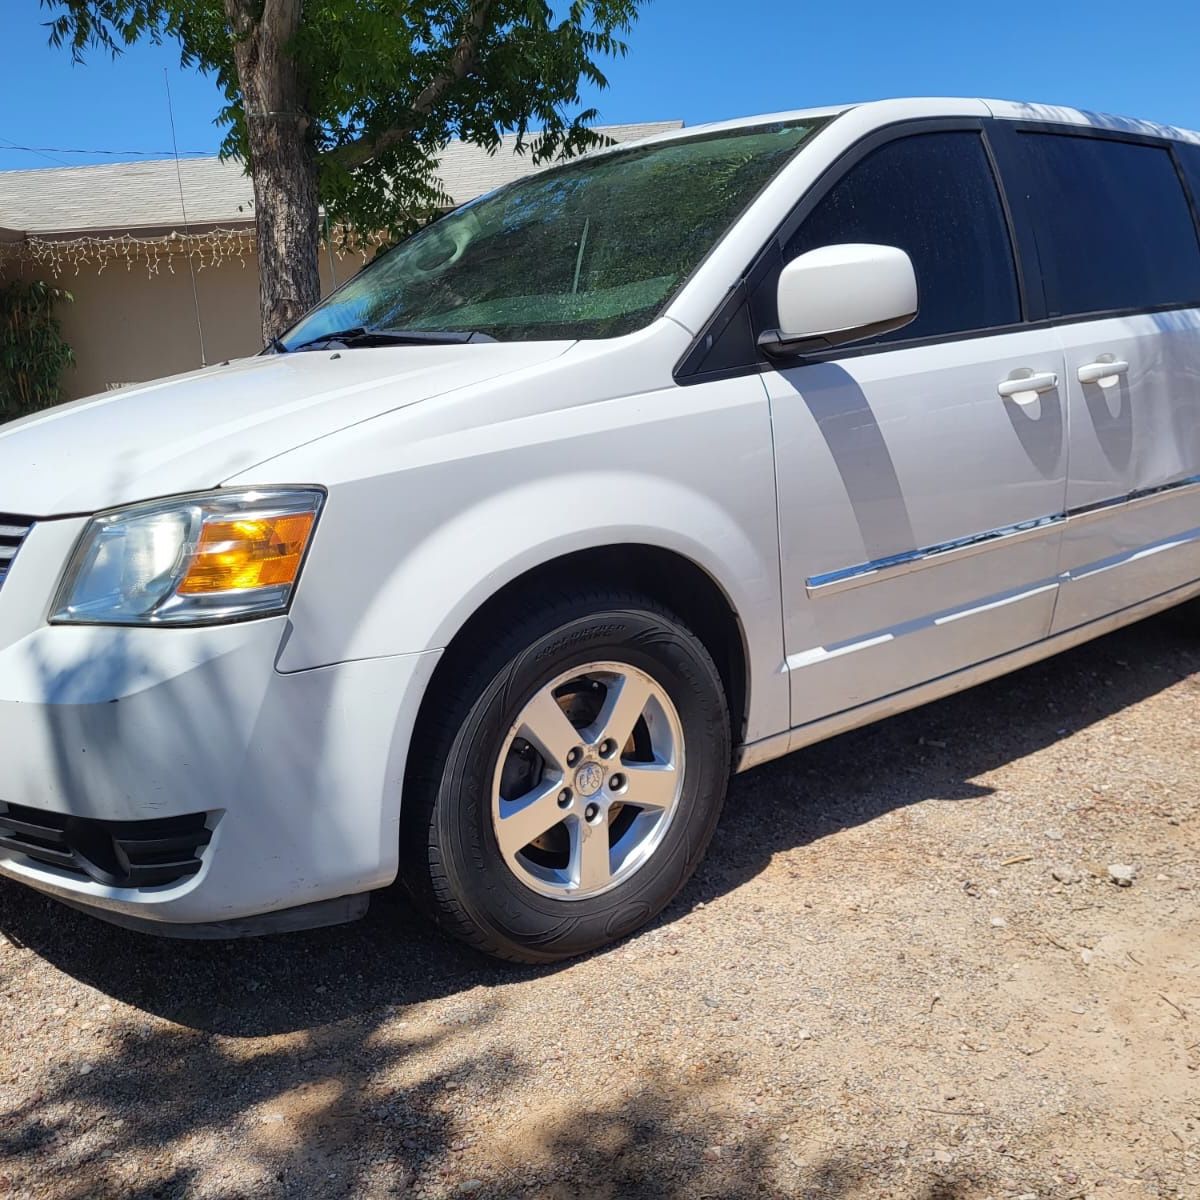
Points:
[(12, 534), (127, 854)]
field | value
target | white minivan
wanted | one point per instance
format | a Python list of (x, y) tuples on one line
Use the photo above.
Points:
[(652, 466)]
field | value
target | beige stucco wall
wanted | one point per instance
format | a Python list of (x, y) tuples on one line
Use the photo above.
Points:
[(126, 326)]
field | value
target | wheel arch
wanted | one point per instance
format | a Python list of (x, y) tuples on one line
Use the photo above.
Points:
[(665, 575)]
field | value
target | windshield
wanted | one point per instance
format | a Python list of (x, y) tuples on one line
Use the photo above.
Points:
[(591, 249)]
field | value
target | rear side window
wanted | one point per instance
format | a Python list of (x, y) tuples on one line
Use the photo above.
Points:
[(1112, 222), (933, 195)]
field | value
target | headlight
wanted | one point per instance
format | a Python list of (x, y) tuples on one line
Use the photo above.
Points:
[(218, 556)]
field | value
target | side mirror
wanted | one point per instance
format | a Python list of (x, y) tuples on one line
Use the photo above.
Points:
[(838, 294)]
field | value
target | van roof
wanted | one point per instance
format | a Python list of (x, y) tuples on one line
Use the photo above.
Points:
[(909, 108)]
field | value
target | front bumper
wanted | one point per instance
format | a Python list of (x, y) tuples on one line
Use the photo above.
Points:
[(299, 774)]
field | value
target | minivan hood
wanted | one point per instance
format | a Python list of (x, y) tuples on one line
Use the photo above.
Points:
[(191, 432)]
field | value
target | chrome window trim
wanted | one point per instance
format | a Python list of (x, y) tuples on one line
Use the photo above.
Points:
[(896, 565)]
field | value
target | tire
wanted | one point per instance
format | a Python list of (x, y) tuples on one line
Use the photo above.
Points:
[(489, 752)]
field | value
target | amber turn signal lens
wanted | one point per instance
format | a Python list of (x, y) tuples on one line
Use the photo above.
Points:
[(238, 555)]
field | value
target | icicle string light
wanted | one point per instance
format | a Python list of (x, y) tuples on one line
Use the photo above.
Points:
[(156, 255)]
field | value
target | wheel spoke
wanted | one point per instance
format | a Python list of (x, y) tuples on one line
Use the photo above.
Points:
[(523, 820), (624, 704), (591, 865), (621, 750), (545, 725), (650, 785)]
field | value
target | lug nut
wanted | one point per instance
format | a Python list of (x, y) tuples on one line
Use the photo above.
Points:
[(574, 756), (564, 798), (608, 748), (592, 811), (616, 782)]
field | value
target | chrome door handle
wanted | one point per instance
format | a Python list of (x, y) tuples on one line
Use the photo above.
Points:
[(1094, 372), (1026, 388)]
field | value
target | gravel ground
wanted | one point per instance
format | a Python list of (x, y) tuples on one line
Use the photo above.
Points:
[(904, 971)]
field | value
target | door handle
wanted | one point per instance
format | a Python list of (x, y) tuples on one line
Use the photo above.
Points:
[(1097, 372), (1026, 388)]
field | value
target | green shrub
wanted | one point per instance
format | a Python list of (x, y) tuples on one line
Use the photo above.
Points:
[(33, 354)]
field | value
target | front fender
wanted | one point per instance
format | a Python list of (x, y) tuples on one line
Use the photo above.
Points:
[(418, 533)]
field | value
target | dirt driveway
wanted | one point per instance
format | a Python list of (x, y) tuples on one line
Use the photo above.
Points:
[(904, 971)]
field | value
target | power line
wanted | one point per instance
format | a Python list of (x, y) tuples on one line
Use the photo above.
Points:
[(39, 153), (46, 151)]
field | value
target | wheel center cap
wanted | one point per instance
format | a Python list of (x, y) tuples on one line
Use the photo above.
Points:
[(589, 779)]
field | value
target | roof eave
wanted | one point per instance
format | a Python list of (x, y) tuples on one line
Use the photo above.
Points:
[(137, 231)]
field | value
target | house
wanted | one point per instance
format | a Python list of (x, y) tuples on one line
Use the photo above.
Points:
[(117, 238)]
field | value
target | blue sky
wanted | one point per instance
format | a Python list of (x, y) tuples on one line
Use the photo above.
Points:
[(692, 59)]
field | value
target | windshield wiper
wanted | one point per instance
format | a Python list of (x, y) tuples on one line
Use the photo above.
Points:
[(360, 336)]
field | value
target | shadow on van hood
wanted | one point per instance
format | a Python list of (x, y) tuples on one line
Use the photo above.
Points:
[(193, 431)]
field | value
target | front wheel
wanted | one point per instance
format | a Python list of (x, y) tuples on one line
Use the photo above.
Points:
[(574, 775)]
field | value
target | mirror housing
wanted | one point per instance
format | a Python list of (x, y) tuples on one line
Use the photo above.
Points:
[(838, 294)]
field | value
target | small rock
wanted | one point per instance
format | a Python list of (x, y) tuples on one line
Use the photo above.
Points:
[(713, 1153), (1055, 835), (1086, 955), (998, 923), (86, 1069), (1122, 874), (468, 1186), (804, 1035), (1065, 873)]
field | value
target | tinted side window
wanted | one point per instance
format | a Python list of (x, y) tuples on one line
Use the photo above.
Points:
[(1113, 226), (934, 195)]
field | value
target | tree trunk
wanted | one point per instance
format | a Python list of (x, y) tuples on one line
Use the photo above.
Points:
[(282, 162)]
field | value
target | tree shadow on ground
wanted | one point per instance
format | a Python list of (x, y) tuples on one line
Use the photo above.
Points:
[(393, 958), (168, 1114)]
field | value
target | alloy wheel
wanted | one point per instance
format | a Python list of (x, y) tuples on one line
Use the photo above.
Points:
[(588, 780)]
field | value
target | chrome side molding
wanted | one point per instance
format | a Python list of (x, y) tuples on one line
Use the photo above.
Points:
[(914, 560), (895, 565), (753, 754)]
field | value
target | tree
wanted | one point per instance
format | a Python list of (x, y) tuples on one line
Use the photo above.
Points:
[(33, 354), (347, 103)]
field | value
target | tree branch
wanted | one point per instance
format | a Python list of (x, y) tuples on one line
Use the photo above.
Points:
[(462, 63)]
